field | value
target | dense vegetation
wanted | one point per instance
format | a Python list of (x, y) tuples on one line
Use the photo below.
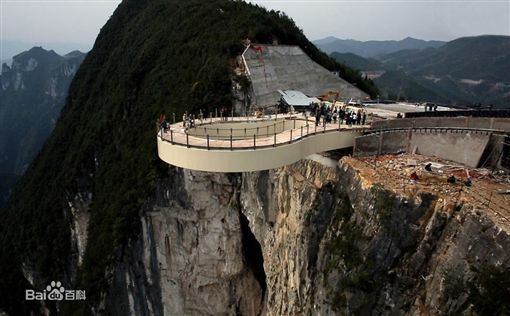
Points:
[(151, 57), (357, 62)]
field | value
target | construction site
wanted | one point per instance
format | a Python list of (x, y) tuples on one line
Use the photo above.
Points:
[(463, 156), (416, 190), (453, 183), (282, 71)]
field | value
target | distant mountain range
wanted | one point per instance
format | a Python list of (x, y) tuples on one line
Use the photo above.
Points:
[(32, 92), (465, 71), (372, 48), (10, 48), (358, 62)]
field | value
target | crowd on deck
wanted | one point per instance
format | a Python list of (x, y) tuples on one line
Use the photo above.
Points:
[(331, 114), (325, 113)]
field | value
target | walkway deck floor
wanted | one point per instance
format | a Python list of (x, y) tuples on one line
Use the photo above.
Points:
[(177, 133)]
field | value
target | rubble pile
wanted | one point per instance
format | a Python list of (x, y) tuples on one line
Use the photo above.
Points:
[(408, 174)]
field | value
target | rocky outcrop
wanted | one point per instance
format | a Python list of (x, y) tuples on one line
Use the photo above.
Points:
[(192, 255), (334, 243), (316, 237)]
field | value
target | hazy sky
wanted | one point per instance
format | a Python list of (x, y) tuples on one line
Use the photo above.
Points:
[(396, 19), (79, 21)]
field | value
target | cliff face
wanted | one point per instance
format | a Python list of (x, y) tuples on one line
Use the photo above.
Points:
[(333, 242), (309, 238), (192, 255)]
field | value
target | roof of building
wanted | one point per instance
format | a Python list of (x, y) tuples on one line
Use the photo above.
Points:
[(296, 98)]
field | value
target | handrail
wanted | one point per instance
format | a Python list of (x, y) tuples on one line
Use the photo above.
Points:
[(254, 145), (440, 129), (282, 121)]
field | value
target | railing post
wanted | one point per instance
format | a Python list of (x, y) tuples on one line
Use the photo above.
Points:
[(172, 137), (307, 128), (291, 135), (339, 125), (301, 131), (274, 144), (294, 121), (216, 113), (283, 125), (230, 141), (210, 117), (254, 142), (245, 132), (267, 131), (257, 131), (232, 113), (207, 141), (187, 140)]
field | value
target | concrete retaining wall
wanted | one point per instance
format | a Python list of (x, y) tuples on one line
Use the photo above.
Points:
[(289, 68), (464, 147), (461, 122)]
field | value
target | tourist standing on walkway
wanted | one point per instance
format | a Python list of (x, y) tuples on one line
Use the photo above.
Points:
[(364, 118)]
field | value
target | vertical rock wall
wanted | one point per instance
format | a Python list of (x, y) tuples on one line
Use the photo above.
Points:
[(314, 237), (190, 259), (334, 243)]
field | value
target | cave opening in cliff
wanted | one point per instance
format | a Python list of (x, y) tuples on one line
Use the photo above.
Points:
[(253, 253)]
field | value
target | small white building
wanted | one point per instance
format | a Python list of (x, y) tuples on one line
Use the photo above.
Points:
[(296, 99)]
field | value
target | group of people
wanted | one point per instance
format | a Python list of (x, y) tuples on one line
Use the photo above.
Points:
[(188, 121), (332, 114)]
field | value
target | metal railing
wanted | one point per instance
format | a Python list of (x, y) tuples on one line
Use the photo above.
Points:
[(470, 113), (454, 130), (282, 138)]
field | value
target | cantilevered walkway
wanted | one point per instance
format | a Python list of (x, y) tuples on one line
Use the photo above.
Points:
[(242, 144)]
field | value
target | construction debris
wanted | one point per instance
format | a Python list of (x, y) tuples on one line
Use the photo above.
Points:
[(409, 174)]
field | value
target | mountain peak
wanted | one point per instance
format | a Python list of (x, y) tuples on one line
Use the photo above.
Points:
[(36, 52), (375, 47), (74, 54)]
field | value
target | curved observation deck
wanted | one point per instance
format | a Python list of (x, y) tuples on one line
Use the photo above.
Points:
[(243, 144)]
